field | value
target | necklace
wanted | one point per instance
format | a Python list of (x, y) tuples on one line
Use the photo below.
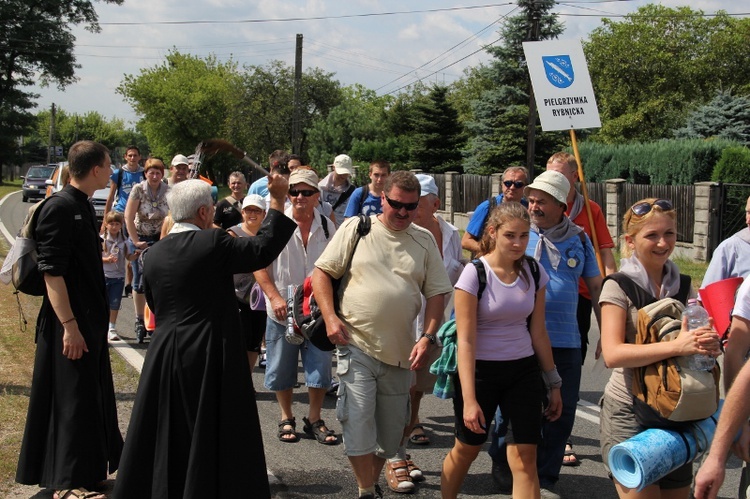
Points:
[(154, 198)]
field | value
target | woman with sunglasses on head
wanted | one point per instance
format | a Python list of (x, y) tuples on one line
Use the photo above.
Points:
[(503, 352), (650, 235)]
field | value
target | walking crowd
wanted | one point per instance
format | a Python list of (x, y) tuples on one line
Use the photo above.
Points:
[(504, 334)]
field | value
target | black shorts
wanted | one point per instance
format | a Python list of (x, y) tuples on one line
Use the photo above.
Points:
[(253, 326), (516, 387)]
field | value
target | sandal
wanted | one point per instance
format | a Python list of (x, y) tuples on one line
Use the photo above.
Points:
[(316, 430), (397, 476), (570, 458), (419, 438), (285, 432), (79, 493)]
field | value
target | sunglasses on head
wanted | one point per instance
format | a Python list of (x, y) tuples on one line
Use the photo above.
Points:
[(641, 209), (397, 205), (510, 183), (295, 192)]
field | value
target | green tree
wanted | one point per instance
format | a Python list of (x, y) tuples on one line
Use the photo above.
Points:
[(359, 121), (183, 101), (37, 41), (264, 108), (497, 128), (651, 68), (438, 137), (727, 116)]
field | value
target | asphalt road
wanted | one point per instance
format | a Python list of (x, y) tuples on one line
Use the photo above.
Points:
[(308, 469)]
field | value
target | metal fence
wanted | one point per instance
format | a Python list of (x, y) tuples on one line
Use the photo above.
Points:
[(732, 203), (682, 197)]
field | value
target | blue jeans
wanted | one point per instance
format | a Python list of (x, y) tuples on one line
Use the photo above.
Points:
[(555, 434), (282, 358)]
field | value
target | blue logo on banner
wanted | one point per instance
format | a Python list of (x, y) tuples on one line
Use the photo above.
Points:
[(559, 70)]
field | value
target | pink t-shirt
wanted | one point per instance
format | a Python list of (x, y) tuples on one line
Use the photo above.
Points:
[(502, 333)]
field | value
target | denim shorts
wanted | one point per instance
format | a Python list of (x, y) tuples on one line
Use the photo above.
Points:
[(114, 286), (282, 360), (136, 264), (373, 403)]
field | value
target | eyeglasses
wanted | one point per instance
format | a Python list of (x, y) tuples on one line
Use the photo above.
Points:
[(517, 184), (294, 193), (641, 209), (397, 205)]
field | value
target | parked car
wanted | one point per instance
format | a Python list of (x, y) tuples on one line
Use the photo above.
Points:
[(99, 199), (34, 182)]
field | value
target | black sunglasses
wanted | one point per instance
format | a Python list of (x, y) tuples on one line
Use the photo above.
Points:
[(397, 205), (294, 193), (517, 184), (640, 209)]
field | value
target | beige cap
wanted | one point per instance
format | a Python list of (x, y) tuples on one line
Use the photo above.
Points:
[(343, 165), (553, 183), (304, 176)]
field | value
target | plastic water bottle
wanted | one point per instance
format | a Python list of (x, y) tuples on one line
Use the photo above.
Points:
[(698, 317), (291, 336)]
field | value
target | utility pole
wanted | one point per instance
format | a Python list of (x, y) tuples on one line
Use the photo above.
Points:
[(297, 119), (534, 17), (51, 145)]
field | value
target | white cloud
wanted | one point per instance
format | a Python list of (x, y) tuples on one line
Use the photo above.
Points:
[(371, 50)]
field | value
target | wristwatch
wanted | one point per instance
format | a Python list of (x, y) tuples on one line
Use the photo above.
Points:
[(430, 337)]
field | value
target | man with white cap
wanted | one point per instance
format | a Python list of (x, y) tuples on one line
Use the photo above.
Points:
[(367, 200), (336, 187), (293, 265), (178, 171), (566, 253)]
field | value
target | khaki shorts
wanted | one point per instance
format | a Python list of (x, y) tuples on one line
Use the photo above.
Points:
[(424, 379), (373, 403)]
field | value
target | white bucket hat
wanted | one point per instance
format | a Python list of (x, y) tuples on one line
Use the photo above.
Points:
[(553, 183)]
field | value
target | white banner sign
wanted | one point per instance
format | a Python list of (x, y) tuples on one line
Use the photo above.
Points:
[(562, 85)]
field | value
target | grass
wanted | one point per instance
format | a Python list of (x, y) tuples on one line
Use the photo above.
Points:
[(16, 366), (17, 350)]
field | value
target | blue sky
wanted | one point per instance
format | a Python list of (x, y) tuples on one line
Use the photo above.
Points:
[(357, 40)]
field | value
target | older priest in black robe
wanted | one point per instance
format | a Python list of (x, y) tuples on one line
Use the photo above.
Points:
[(194, 431)]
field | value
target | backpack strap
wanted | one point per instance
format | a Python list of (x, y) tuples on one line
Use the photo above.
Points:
[(324, 225), (636, 294), (363, 197), (481, 277), (685, 287), (640, 297), (344, 196), (535, 274), (492, 201)]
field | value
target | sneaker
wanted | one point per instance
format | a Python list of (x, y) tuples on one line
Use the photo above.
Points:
[(334, 390), (140, 330), (262, 359), (414, 471), (112, 335), (127, 291), (502, 477), (397, 476)]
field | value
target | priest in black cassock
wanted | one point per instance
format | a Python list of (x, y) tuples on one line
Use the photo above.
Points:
[(72, 436), (194, 431)]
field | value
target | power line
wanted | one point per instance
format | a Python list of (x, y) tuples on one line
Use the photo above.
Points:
[(502, 18), (298, 19)]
